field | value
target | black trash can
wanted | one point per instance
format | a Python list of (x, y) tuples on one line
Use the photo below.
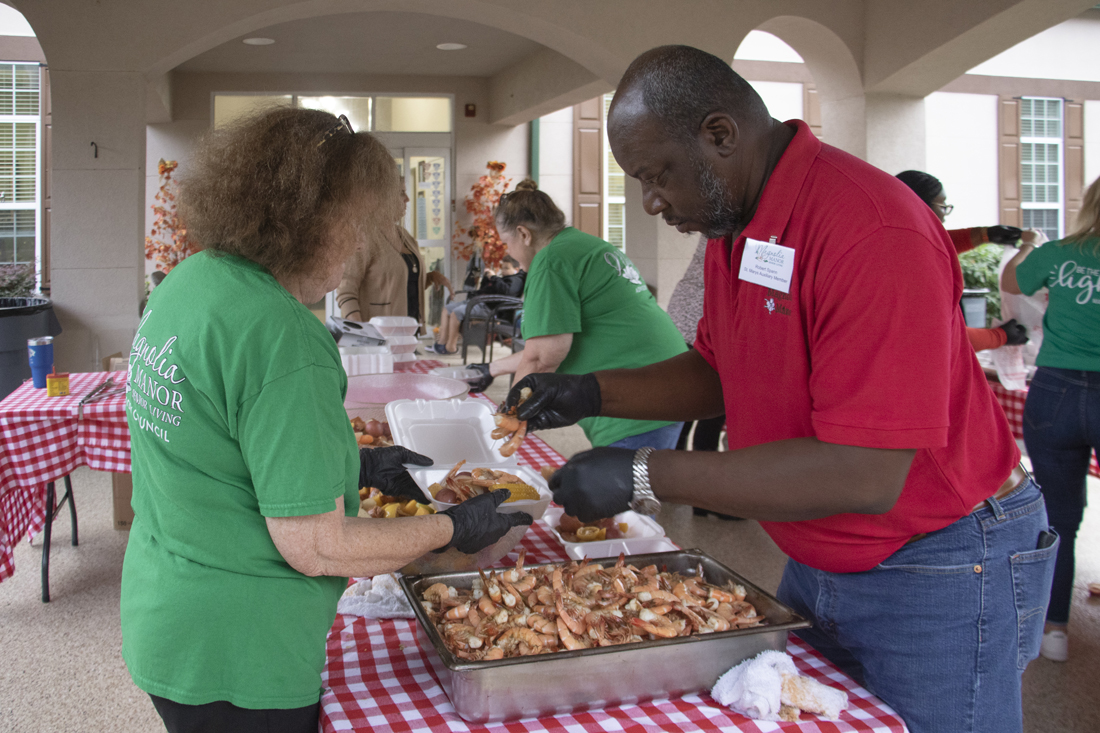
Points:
[(22, 319)]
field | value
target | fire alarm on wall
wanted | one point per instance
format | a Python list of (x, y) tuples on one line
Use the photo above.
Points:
[(471, 110)]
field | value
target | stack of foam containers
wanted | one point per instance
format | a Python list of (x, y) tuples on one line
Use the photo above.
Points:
[(400, 335), (366, 360)]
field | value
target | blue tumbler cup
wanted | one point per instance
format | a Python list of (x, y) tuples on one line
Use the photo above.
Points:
[(41, 356)]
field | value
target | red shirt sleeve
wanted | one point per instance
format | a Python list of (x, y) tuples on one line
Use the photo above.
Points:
[(961, 239), (986, 338), (883, 342)]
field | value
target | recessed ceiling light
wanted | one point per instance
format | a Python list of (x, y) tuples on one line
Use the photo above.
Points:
[(259, 41), (451, 46)]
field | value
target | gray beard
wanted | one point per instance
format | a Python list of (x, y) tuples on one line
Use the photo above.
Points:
[(719, 217)]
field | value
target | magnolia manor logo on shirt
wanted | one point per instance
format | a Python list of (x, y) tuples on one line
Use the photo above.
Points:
[(152, 399), (626, 269), (772, 306)]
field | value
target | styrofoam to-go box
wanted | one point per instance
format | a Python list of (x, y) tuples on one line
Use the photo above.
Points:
[(449, 431), (643, 535), (402, 344), (395, 325), (366, 360)]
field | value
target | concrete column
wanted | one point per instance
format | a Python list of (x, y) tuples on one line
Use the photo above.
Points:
[(98, 217), (660, 253), (896, 134)]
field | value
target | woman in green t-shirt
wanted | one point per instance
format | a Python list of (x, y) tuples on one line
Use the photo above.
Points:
[(246, 470), (1062, 412), (585, 308)]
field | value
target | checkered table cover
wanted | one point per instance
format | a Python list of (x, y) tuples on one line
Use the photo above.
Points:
[(42, 440), (1013, 403), (378, 678)]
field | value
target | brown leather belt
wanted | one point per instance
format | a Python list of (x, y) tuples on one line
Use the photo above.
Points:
[(1017, 477)]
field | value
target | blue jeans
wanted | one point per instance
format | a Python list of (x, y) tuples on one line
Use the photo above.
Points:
[(1061, 429), (942, 629), (661, 438)]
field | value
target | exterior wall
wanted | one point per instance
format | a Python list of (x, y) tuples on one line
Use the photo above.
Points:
[(1066, 51), (1092, 141), (962, 152)]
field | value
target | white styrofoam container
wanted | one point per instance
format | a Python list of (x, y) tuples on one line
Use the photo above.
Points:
[(448, 431), (402, 344), (366, 360), (394, 325), (642, 535), (400, 358), (457, 372), (425, 477)]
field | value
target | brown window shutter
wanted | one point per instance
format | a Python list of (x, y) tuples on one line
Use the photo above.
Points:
[(588, 166), (1074, 131), (1010, 161)]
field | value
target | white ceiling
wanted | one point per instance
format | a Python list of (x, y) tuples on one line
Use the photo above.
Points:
[(370, 43)]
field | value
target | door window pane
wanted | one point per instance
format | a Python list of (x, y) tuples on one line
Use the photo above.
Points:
[(357, 109), (430, 189), (231, 107), (412, 114)]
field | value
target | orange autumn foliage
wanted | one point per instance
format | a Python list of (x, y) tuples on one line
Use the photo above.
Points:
[(169, 245), (482, 232)]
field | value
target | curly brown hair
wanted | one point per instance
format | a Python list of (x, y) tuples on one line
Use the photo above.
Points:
[(271, 186)]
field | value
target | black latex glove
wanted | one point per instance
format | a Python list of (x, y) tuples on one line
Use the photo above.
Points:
[(556, 400), (478, 524), (482, 384), (595, 484), (1017, 334), (1001, 234), (383, 468)]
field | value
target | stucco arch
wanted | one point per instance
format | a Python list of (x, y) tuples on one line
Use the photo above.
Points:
[(836, 75)]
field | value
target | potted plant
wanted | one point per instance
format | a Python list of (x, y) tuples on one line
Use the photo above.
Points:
[(168, 243), (482, 233), (24, 314)]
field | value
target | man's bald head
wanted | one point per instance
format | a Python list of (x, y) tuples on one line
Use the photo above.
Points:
[(680, 86)]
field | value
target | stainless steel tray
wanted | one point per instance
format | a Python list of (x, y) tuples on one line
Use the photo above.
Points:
[(586, 679)]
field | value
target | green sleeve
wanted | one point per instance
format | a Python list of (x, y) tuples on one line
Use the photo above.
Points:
[(295, 437), (1032, 273), (551, 303)]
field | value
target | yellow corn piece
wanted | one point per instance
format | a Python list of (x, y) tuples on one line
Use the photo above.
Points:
[(623, 527), (368, 503), (520, 492), (364, 492), (391, 510), (422, 509), (434, 489)]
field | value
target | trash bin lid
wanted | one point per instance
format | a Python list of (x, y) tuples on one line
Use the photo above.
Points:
[(22, 306)]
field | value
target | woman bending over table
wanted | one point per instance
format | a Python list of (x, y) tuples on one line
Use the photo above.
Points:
[(585, 307), (1062, 412), (246, 471)]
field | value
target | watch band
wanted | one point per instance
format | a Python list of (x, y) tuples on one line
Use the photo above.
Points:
[(644, 501)]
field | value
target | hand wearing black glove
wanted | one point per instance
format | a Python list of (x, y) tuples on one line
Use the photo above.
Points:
[(383, 469), (481, 384), (478, 524), (556, 400), (1017, 334), (1001, 234), (595, 484)]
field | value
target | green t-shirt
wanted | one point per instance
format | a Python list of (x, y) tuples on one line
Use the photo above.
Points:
[(235, 407), (582, 285), (1071, 325)]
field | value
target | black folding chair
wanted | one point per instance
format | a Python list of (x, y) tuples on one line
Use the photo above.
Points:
[(481, 326)]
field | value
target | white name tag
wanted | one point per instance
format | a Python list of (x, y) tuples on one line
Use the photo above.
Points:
[(768, 264)]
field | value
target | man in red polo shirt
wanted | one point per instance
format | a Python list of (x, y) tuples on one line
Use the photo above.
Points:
[(862, 433)]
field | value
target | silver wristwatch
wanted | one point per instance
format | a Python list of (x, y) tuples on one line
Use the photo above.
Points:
[(644, 501)]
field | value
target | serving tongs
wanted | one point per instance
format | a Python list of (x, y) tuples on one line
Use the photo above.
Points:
[(105, 389)]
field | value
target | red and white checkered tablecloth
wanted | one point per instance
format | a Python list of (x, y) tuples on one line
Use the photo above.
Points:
[(1012, 401), (378, 678), (41, 440)]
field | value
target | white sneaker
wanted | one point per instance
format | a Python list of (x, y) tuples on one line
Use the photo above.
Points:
[(1055, 646)]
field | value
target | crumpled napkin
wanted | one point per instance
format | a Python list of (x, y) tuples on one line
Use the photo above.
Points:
[(768, 687), (378, 597)]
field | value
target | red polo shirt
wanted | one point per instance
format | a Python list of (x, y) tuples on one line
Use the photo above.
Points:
[(867, 348)]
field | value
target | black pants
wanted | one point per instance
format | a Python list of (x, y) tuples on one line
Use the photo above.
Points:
[(224, 717)]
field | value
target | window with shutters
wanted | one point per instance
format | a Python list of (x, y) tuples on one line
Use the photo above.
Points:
[(20, 135), (614, 186), (1041, 191)]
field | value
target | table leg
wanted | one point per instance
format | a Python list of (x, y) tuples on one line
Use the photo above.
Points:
[(72, 507), (46, 543)]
